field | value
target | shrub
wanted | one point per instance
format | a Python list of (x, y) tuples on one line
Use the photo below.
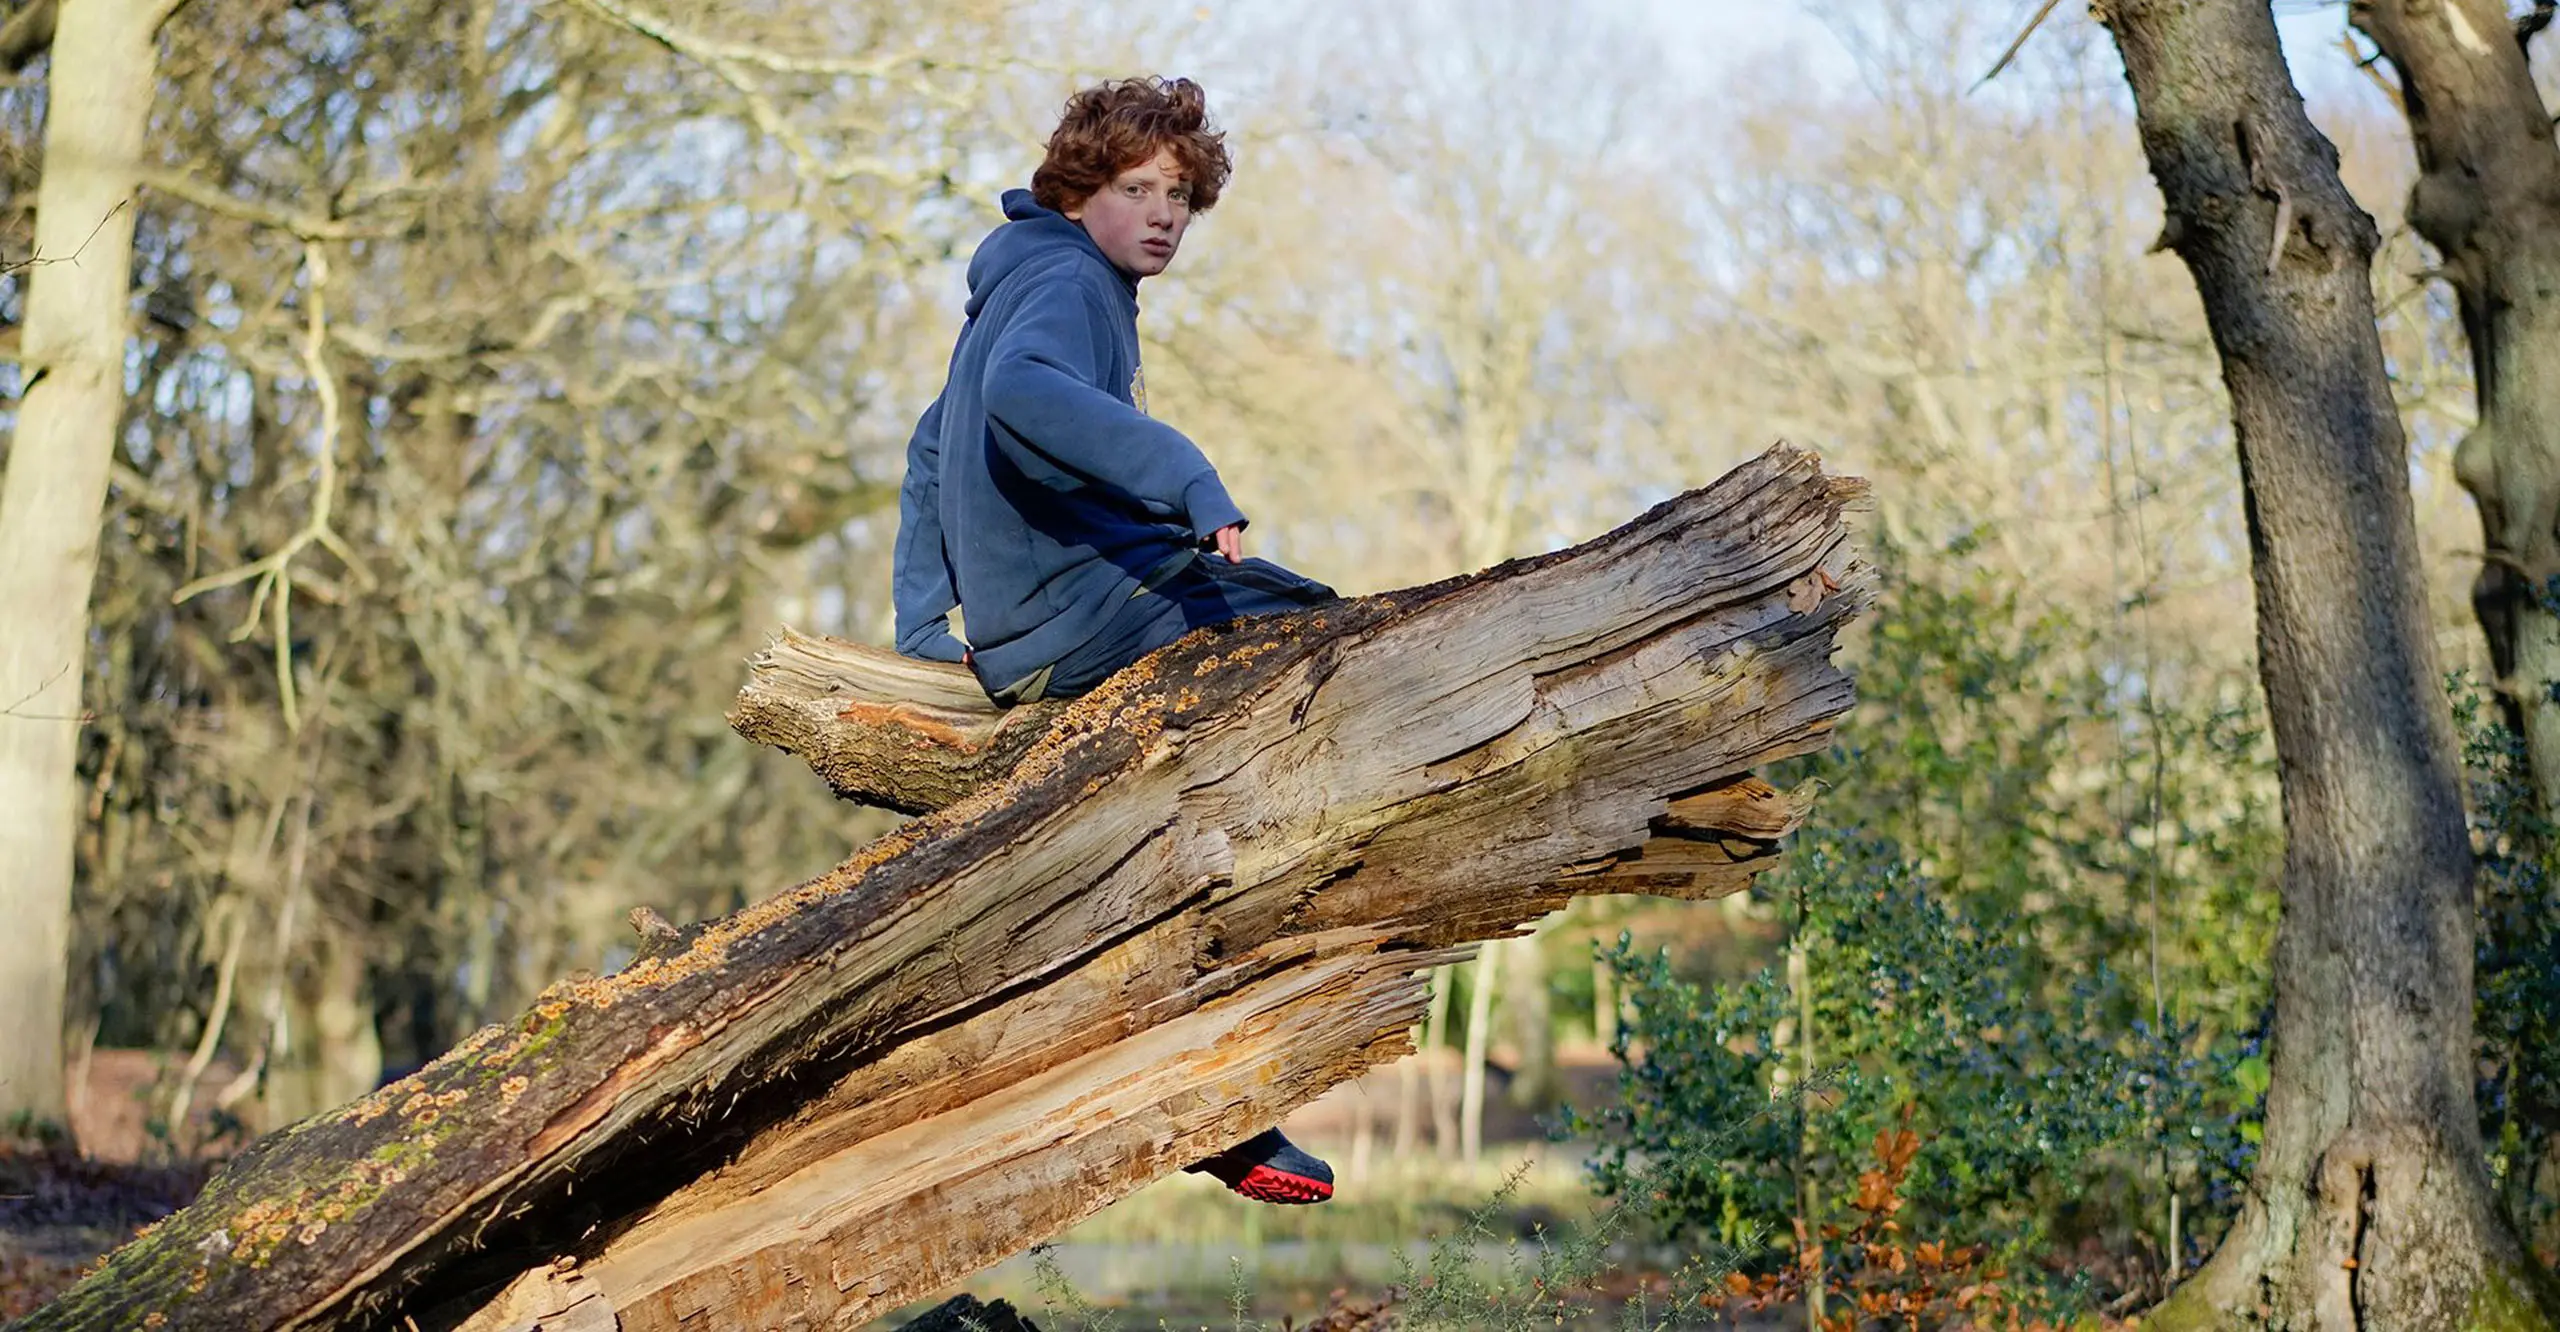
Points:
[(2023, 1096), (2515, 971), (2036, 907)]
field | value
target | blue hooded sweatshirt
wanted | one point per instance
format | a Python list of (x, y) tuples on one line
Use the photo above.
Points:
[(1038, 493)]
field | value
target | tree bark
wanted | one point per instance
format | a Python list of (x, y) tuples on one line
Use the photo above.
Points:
[(882, 729), (2488, 199), (1202, 898), (50, 501), (2371, 1209)]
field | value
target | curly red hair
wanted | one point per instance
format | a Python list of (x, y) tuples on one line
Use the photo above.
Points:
[(1111, 127)]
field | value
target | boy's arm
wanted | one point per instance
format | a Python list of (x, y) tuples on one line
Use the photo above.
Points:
[(1040, 385), (920, 581)]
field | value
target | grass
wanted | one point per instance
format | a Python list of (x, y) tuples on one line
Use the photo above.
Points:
[(1185, 1253), (1486, 1247)]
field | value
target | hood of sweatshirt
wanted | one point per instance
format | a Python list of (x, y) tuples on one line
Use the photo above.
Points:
[(1030, 232)]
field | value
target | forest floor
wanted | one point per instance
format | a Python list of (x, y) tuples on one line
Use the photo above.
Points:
[(1174, 1255), (60, 1212), (1166, 1253)]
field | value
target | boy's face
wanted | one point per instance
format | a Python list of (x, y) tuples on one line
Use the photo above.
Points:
[(1138, 219)]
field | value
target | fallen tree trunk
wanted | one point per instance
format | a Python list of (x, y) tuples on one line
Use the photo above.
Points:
[(1202, 897)]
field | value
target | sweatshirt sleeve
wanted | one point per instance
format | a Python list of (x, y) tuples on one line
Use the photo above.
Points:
[(1040, 383), (920, 581)]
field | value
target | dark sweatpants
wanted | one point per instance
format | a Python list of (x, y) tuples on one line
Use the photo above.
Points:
[(1200, 591)]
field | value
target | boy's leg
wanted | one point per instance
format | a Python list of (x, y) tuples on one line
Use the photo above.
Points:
[(1199, 592), (1266, 1167), (1144, 623), (1259, 587)]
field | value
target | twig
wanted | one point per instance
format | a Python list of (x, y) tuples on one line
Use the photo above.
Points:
[(12, 709), (27, 34), (74, 257), (2366, 63), (2043, 12), (2529, 25)]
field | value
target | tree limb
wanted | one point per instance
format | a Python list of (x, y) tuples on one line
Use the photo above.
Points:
[(2019, 43), (2530, 24), (308, 226), (26, 34)]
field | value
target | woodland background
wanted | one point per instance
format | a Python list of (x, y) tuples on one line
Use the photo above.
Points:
[(534, 360)]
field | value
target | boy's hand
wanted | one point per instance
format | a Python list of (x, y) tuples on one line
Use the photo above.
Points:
[(1229, 542)]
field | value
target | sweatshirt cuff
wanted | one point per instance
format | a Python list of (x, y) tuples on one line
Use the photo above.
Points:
[(935, 642), (1205, 501)]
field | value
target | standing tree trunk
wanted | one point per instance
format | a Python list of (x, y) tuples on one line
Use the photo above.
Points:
[(2371, 1210), (1531, 1009), (1435, 1039), (98, 100), (2488, 199), (1480, 991)]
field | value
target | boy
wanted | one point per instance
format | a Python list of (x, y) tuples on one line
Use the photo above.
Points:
[(1075, 533)]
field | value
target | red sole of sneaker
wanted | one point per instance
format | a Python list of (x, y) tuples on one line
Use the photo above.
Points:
[(1264, 1184)]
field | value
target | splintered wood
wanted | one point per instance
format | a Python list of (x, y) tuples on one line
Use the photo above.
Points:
[(1132, 931), (886, 730)]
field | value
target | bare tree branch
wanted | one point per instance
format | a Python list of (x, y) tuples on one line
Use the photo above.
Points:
[(2529, 25), (2043, 11), (696, 47), (731, 63), (274, 571), (2367, 64), (308, 226), (26, 35)]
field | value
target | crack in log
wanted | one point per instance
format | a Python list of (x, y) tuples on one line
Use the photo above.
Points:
[(2355, 1247)]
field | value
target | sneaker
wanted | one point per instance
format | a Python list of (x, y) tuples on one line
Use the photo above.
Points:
[(1269, 1168)]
